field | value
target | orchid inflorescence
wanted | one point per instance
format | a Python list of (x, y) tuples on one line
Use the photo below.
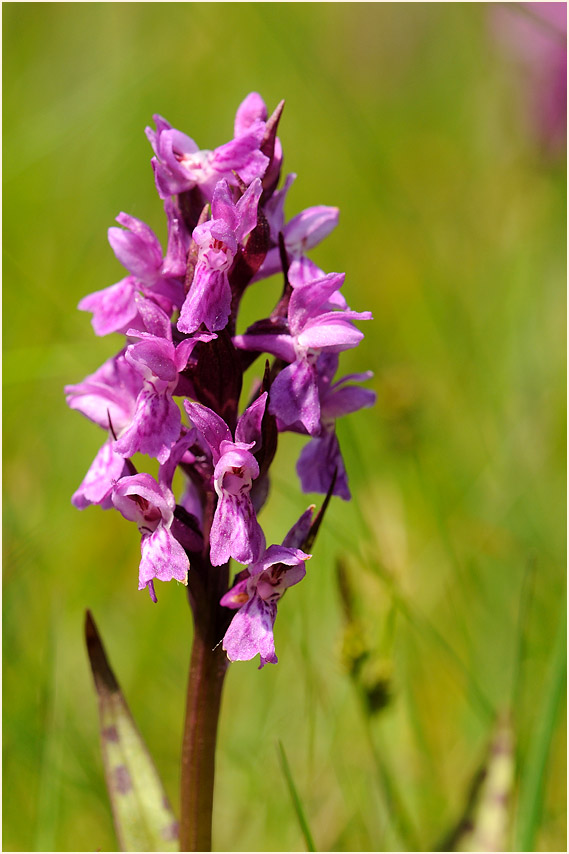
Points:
[(226, 232)]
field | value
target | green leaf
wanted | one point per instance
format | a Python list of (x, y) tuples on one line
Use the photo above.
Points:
[(533, 780), (142, 814), (296, 800)]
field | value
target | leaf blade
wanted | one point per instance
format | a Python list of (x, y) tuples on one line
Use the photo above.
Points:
[(143, 817), (296, 802), (533, 779)]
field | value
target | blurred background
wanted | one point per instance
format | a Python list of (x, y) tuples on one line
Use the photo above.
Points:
[(434, 604)]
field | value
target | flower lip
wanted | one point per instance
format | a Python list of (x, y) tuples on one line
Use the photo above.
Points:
[(139, 498), (150, 513), (236, 469)]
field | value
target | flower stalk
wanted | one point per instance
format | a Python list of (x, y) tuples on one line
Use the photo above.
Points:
[(208, 666)]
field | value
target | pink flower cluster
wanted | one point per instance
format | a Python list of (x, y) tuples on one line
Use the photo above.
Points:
[(178, 311)]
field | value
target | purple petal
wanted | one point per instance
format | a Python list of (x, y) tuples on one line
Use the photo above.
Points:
[(140, 229), (223, 207), (278, 345), (272, 585), (308, 228), (336, 300), (192, 501), (96, 487), (235, 469), (167, 469), (251, 632), (137, 249), (156, 321), (154, 428), (235, 531), (307, 301), (176, 145), (278, 554), (169, 183), (162, 138), (211, 426), (154, 360), (299, 531), (247, 210), (157, 500), (170, 147), (185, 347), (242, 155), (109, 394), (318, 461), (208, 301), (237, 596), (162, 557), (294, 397), (341, 401), (251, 110), (234, 154), (114, 308), (175, 262), (333, 330), (303, 271), (362, 377), (249, 425)]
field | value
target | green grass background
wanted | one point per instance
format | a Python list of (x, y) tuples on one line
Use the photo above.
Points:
[(412, 120)]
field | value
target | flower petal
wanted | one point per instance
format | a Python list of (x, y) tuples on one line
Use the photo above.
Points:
[(237, 596), (97, 485), (175, 262), (162, 557), (294, 397), (249, 425), (307, 300), (350, 398), (278, 344), (318, 461), (154, 360), (235, 531), (208, 301), (242, 155), (247, 210), (278, 554), (155, 497), (333, 330), (299, 531), (249, 111), (154, 428), (223, 206), (138, 249), (109, 395), (113, 308), (308, 228), (251, 632), (211, 426)]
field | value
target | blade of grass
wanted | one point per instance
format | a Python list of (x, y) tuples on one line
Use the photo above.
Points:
[(526, 597), (49, 795), (532, 783), (296, 802)]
